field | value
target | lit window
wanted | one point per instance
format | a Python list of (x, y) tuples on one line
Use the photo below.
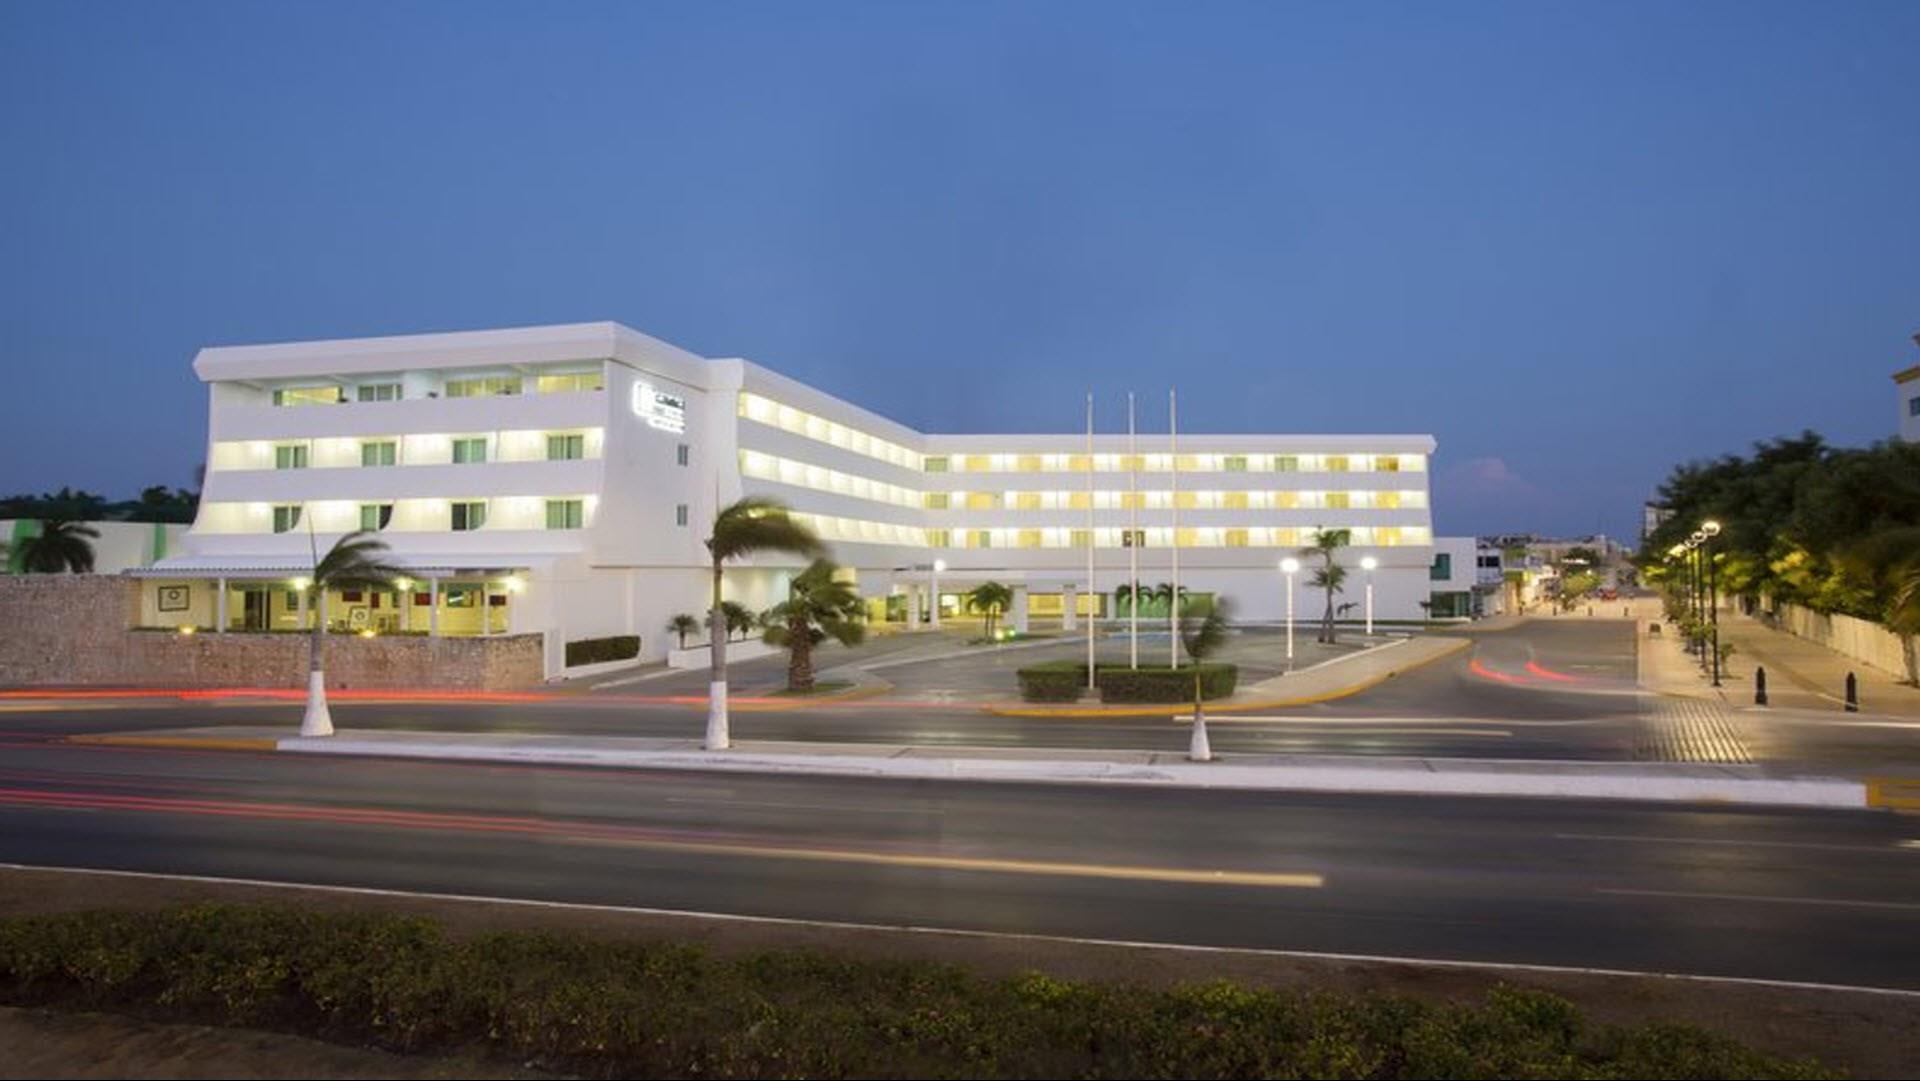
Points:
[(379, 392), (470, 451), (1386, 463), (1286, 463), (1339, 500), (1236, 463), (570, 382), (565, 513), (469, 516), (483, 386), (286, 517), (939, 464), (307, 396), (565, 448), (937, 501), (290, 457), (1336, 463), (383, 452), (375, 516)]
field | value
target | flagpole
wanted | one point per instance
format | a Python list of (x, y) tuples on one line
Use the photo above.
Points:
[(1173, 471), (1133, 543), (1093, 594)]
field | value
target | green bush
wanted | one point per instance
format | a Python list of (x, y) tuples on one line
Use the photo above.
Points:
[(1052, 681), (1121, 684), (639, 1009), (620, 647)]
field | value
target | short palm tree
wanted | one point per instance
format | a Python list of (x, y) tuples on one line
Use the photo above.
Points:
[(356, 561), (682, 625), (61, 546), (1203, 637), (989, 599), (818, 607), (1329, 576), (740, 619), (746, 526), (1123, 597)]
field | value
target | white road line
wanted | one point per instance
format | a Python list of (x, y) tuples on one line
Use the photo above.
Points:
[(1831, 902), (1169, 947), (1323, 720), (642, 678), (1733, 842)]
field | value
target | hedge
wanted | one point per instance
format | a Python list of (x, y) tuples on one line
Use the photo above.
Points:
[(606, 1008), (620, 647), (1061, 681)]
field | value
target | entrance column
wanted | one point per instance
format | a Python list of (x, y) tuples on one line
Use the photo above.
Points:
[(913, 608), (300, 607), (220, 606), (433, 608), (1019, 612), (1069, 608)]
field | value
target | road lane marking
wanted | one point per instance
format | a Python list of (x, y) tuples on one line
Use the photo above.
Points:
[(1732, 842), (954, 932), (1831, 902), (632, 837)]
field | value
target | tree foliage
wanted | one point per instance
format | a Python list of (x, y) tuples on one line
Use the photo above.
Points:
[(819, 606)]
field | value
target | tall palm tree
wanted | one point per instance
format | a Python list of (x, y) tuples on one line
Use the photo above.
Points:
[(61, 546), (682, 625), (1203, 637), (989, 599), (1329, 576), (818, 607), (746, 526), (356, 561)]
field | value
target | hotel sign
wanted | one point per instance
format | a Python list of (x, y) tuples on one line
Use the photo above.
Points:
[(667, 412)]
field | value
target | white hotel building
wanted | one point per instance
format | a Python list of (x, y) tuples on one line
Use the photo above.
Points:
[(559, 480)]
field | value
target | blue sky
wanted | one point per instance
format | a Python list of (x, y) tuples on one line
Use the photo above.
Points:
[(1577, 243)]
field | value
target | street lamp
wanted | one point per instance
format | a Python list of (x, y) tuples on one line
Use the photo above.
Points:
[(938, 566), (1367, 563), (1710, 529), (1289, 567)]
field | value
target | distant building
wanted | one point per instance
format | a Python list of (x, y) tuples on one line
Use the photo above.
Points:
[(1652, 517), (1907, 384), (121, 545)]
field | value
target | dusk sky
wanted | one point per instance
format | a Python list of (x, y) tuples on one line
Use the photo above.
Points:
[(1576, 243)]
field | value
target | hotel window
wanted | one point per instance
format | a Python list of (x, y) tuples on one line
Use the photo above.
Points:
[(1236, 538), (566, 448), (383, 452), (1029, 538), (378, 392), (682, 455), (286, 517), (1913, 407), (680, 514), (939, 538), (983, 500), (290, 457), (565, 513), (1386, 463), (1442, 568), (470, 451), (1079, 538), (1339, 500), (1336, 463), (1026, 501), (307, 396), (483, 386), (936, 465), (375, 516), (982, 538), (462, 597), (1236, 463), (469, 516), (937, 501), (1386, 500), (1286, 463), (1133, 538), (569, 382)]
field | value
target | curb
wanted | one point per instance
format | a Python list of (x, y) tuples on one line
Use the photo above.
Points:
[(1173, 708), (175, 743)]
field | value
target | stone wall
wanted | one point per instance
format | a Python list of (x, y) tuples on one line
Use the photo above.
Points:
[(1862, 640), (76, 630)]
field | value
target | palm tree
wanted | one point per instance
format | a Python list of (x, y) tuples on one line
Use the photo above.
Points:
[(746, 526), (1123, 594), (818, 607), (1203, 637), (1329, 576), (989, 599), (740, 619), (61, 546), (682, 625), (356, 561)]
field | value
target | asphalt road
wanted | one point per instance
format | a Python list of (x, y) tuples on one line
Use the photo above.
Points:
[(1817, 896)]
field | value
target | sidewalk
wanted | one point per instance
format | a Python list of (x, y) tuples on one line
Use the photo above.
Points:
[(1336, 678), (1806, 675), (1656, 782)]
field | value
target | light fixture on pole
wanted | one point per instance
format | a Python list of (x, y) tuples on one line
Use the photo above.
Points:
[(1133, 543), (1709, 530), (1289, 567), (1093, 589), (938, 566), (1696, 545), (1368, 563)]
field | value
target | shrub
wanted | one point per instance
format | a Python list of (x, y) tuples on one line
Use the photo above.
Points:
[(1052, 681), (619, 647), (625, 1008), (1120, 684)]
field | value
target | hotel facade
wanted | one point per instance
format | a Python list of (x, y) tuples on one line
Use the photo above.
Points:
[(560, 480)]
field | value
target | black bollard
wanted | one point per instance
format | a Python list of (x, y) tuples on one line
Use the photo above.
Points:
[(1853, 694), (1759, 686)]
